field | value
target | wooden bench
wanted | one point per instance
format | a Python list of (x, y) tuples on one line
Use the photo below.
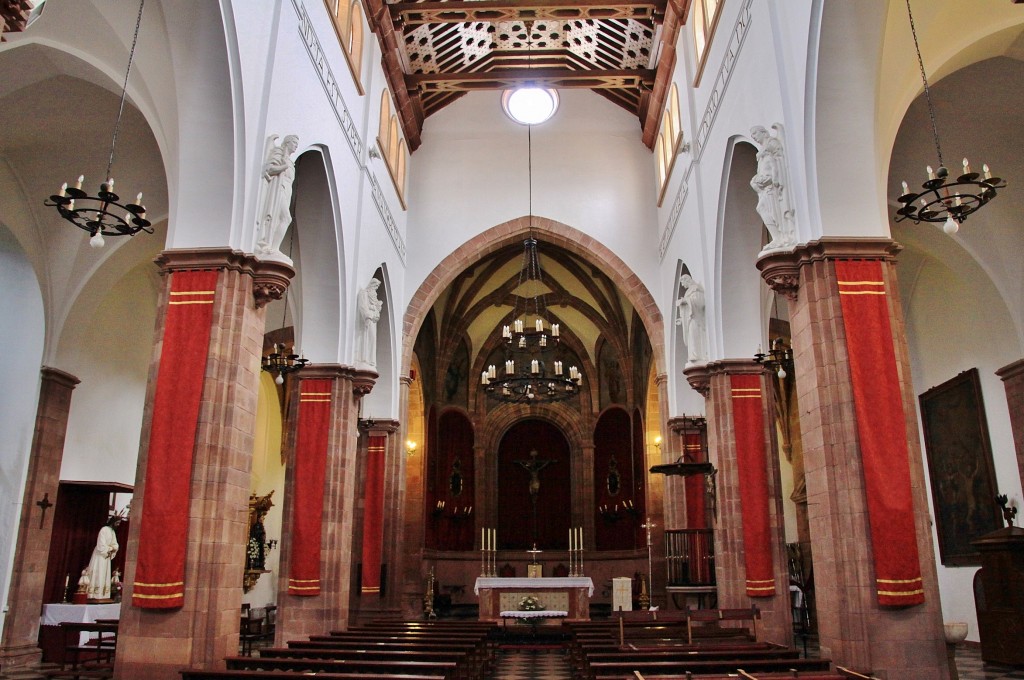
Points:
[(662, 669), (478, 654), (289, 675), (465, 668), (94, 659), (446, 669)]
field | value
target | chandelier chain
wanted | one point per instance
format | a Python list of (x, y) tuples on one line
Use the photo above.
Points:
[(124, 87), (927, 90)]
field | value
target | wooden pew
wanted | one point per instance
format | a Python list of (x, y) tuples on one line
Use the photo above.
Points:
[(447, 669), (662, 669), (95, 659), (743, 675), (477, 653), (465, 668), (289, 675)]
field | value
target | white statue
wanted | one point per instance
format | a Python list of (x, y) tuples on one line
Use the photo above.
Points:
[(276, 196), (369, 314), (98, 571), (771, 184), (691, 318)]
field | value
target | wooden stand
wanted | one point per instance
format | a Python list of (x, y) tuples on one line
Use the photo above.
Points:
[(999, 596)]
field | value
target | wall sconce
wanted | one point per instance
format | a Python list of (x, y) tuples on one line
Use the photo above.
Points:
[(657, 443), (410, 446)]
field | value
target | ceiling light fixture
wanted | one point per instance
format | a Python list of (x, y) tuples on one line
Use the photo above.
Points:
[(944, 199), (531, 373), (103, 214)]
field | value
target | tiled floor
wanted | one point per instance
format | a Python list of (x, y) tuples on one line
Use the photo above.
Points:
[(970, 667)]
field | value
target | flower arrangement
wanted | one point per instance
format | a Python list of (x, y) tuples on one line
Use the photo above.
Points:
[(530, 604)]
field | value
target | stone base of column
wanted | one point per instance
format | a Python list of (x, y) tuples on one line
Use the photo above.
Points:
[(21, 656)]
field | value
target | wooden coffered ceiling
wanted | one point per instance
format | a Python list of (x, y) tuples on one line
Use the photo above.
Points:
[(436, 51)]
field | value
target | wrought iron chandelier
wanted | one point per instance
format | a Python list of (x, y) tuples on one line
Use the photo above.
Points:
[(281, 361), (532, 373), (778, 358), (104, 214), (943, 198)]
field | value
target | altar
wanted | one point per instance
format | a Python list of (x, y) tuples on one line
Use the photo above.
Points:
[(569, 594)]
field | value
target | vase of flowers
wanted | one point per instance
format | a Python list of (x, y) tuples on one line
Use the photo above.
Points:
[(530, 604)]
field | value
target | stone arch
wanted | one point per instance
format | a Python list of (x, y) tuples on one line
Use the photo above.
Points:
[(559, 234), (319, 282), (739, 288)]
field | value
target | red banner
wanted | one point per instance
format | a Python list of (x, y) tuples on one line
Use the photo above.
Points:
[(373, 515), (311, 437), (693, 452), (163, 533), (751, 459), (881, 429)]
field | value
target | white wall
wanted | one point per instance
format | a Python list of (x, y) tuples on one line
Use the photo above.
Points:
[(590, 171), (21, 335)]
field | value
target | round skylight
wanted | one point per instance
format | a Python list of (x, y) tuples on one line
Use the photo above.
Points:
[(530, 105)]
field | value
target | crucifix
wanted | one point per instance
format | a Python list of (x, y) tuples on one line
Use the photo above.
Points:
[(534, 466), (648, 525), (45, 504)]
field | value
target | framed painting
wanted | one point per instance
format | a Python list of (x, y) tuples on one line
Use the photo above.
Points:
[(959, 467)]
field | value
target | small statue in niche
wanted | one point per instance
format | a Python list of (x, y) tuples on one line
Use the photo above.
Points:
[(691, 316), (614, 481), (455, 479), (256, 547)]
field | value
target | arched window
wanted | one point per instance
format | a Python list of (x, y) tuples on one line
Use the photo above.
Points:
[(705, 18), (384, 126), (392, 145), (347, 18), (669, 140)]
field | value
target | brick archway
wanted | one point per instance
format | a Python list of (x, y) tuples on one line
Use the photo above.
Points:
[(556, 233)]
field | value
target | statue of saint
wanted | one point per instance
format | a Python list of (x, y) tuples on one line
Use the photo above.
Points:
[(770, 184), (534, 466), (369, 307), (98, 571), (276, 192), (691, 317)]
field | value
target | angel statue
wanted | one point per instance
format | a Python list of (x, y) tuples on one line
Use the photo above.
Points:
[(771, 183), (275, 196), (691, 317)]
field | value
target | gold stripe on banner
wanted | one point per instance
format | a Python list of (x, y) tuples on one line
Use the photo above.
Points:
[(898, 580), (316, 394), (190, 302), (371, 590), (862, 283), (315, 401), (172, 596), (193, 292), (290, 587), (158, 585), (901, 593), (303, 580)]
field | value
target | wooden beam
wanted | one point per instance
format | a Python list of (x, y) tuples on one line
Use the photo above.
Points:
[(547, 77), (495, 11)]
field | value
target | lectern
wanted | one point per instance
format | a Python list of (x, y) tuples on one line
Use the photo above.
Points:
[(999, 595)]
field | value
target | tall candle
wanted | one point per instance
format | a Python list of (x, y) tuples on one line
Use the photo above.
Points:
[(483, 538)]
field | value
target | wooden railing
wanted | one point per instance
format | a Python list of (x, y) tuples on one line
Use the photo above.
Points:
[(690, 557)]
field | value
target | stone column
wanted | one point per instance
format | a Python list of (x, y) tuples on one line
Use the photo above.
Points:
[(776, 616), (156, 644), (854, 630), (298, 616), (373, 606), (18, 646), (1013, 381)]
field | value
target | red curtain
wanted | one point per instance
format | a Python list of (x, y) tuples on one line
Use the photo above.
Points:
[(616, 527), (554, 500), (160, 572), (311, 437), (693, 452), (881, 429), (751, 459), (373, 514), (450, 511)]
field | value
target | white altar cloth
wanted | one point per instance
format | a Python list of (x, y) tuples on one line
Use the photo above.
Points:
[(532, 583), (534, 614), (56, 614)]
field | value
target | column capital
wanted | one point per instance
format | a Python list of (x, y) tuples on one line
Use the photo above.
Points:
[(270, 277), (734, 367), (684, 423), (58, 376), (699, 378), (781, 270), (1011, 371), (374, 427)]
